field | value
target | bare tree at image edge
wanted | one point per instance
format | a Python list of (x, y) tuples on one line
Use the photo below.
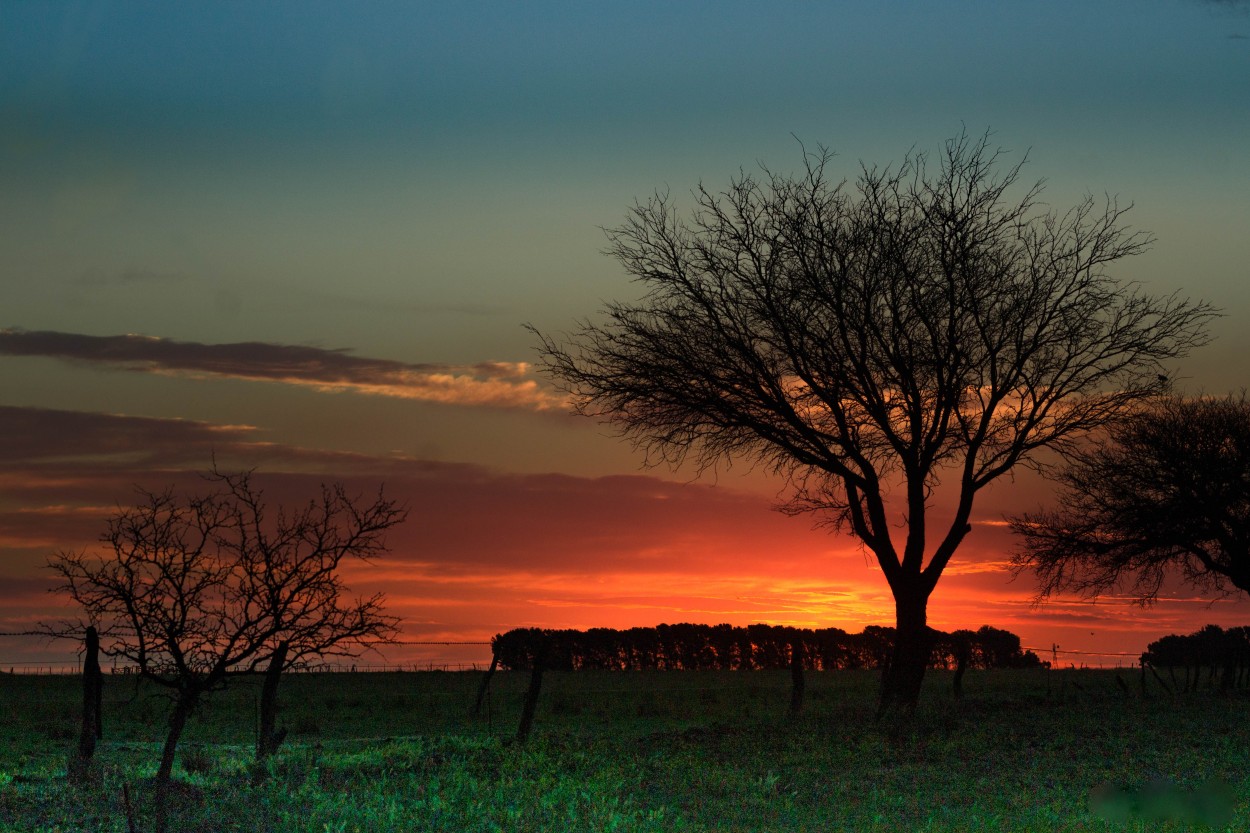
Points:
[(192, 590), (1166, 491), (865, 341)]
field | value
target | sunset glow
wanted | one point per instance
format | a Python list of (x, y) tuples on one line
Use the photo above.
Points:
[(316, 259)]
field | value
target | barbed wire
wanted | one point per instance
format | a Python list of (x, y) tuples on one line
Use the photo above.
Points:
[(1085, 653), (413, 642)]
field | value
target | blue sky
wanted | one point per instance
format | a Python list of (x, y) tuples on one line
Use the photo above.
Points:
[(407, 184)]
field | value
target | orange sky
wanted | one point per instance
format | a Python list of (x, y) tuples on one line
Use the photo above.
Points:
[(309, 244), (485, 550)]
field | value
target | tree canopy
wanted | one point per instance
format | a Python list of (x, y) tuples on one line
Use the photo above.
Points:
[(867, 341), (192, 589), (688, 647), (1166, 491)]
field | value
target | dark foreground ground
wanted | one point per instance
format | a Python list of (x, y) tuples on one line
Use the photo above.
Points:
[(692, 751)]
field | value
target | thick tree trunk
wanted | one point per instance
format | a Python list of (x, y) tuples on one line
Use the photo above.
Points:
[(904, 673), (268, 738)]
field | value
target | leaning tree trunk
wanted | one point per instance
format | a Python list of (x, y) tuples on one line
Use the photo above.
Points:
[(183, 706), (485, 685), (269, 738), (904, 672), (539, 663)]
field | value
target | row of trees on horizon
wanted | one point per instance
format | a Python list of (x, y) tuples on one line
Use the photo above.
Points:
[(1210, 648), (691, 647), (688, 647)]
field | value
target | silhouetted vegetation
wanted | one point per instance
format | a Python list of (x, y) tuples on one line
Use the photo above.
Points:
[(1224, 656), (1167, 491), (685, 647), (195, 589), (868, 340)]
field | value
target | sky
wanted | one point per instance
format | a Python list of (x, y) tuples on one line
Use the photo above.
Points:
[(306, 237)]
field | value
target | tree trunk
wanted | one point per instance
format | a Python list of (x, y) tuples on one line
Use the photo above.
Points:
[(961, 665), (1229, 673), (904, 673), (268, 738), (485, 686), (183, 706), (797, 685), (1162, 684), (531, 694)]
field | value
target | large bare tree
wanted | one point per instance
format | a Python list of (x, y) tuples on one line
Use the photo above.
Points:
[(867, 341), (192, 589), (1166, 491)]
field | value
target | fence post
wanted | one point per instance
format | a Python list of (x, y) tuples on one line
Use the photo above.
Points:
[(92, 728)]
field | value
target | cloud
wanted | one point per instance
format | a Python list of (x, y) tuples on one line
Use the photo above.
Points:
[(490, 540), (489, 384), (28, 434)]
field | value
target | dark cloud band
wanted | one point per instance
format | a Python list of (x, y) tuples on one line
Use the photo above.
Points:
[(490, 384)]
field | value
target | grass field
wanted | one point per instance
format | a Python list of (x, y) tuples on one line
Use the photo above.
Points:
[(675, 751)]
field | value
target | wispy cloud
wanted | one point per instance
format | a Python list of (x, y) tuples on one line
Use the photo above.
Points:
[(489, 384)]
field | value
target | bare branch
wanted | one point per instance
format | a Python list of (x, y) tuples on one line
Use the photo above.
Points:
[(194, 588), (923, 322)]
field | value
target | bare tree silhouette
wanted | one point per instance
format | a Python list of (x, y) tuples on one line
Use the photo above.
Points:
[(193, 589), (874, 338)]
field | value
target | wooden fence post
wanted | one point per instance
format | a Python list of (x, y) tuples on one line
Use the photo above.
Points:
[(92, 728)]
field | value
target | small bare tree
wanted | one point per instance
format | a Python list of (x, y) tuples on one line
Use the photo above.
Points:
[(193, 589), (868, 343), (1165, 492)]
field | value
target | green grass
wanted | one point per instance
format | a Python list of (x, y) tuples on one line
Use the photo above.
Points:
[(712, 751)]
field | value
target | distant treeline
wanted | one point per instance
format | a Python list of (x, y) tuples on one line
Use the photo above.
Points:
[(755, 647), (1225, 653)]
